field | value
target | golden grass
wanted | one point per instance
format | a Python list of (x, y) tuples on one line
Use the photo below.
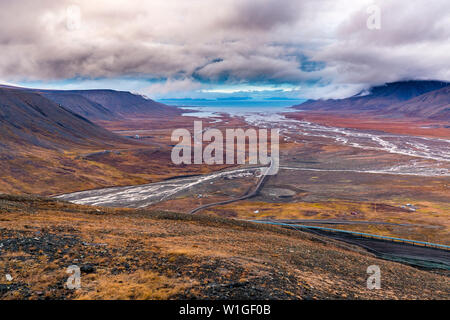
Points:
[(140, 285), (429, 213)]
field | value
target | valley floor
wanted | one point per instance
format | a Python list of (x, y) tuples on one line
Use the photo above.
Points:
[(327, 172)]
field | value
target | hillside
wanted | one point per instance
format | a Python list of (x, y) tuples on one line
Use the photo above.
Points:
[(129, 254), (29, 119), (378, 100), (104, 104), (45, 148), (432, 105), (80, 105), (110, 104)]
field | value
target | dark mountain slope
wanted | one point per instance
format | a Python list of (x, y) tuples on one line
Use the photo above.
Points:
[(377, 100), (29, 119), (405, 90), (121, 103), (103, 104), (432, 105), (80, 105)]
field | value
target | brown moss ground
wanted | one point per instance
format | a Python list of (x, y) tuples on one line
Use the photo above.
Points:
[(130, 254), (40, 171), (45, 172), (406, 126), (430, 223)]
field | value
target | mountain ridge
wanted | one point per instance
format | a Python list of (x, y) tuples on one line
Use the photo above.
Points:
[(104, 104), (432, 105), (107, 104), (30, 119), (383, 100)]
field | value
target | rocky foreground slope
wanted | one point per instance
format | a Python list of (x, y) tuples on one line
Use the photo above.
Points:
[(131, 254)]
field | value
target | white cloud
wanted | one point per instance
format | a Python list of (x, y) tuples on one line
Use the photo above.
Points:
[(232, 41), (172, 86), (252, 88)]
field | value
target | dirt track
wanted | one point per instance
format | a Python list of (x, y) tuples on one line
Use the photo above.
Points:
[(258, 187)]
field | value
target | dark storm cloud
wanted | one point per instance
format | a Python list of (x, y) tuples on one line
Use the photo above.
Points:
[(262, 15)]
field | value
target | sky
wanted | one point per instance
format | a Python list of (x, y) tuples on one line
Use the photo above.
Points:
[(227, 49)]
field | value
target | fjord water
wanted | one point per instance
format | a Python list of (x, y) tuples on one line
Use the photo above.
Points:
[(211, 108)]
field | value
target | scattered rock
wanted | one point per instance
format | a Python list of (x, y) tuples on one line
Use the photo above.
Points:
[(87, 268)]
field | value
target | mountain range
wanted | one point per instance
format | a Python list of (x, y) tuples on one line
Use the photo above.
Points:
[(109, 104), (416, 99), (57, 119), (30, 119), (51, 141)]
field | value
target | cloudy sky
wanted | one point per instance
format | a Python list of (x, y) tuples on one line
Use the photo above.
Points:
[(226, 48)]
